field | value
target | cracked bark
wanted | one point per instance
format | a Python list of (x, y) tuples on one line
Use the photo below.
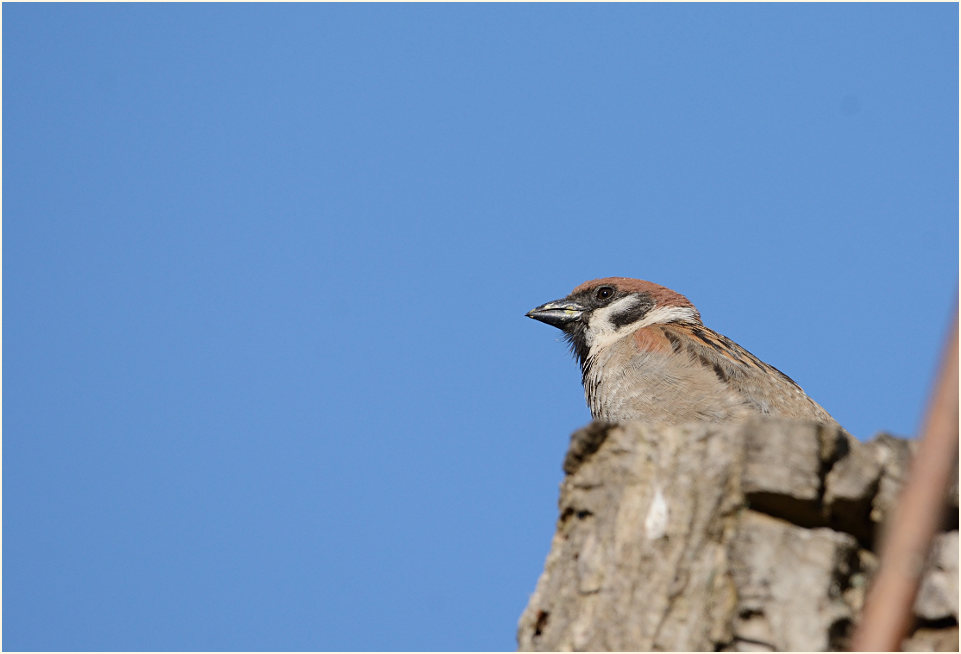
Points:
[(744, 537)]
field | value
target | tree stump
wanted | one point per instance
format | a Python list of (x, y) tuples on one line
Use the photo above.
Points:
[(755, 536)]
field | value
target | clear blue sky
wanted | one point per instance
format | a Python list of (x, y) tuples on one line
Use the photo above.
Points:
[(269, 383)]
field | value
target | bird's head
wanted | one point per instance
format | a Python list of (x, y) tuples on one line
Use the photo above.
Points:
[(602, 311)]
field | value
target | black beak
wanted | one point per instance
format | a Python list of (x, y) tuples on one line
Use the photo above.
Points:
[(558, 313)]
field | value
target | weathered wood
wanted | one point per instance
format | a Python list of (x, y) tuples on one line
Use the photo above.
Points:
[(749, 536)]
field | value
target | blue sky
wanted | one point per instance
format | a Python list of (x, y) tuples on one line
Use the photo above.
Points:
[(269, 384)]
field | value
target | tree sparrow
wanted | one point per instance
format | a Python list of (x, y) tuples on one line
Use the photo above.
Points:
[(645, 355)]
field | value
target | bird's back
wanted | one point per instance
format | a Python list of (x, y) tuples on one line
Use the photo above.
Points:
[(680, 372)]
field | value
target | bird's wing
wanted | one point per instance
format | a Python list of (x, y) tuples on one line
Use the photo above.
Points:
[(765, 387)]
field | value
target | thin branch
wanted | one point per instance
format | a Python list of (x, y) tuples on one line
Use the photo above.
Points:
[(888, 608)]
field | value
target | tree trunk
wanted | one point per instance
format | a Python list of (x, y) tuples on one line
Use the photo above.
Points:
[(749, 536)]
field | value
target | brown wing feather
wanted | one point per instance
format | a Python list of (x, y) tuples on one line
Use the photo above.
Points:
[(759, 384)]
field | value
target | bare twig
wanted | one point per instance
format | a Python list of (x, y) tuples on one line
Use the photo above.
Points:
[(916, 519)]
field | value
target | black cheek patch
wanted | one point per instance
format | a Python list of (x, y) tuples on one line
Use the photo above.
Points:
[(634, 313)]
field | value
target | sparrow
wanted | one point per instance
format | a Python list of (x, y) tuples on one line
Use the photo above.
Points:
[(645, 355)]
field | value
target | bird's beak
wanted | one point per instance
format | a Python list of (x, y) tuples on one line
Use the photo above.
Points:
[(558, 313)]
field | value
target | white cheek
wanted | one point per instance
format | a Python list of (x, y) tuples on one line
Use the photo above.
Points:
[(600, 340), (601, 331)]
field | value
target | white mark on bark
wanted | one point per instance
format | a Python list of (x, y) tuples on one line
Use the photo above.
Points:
[(655, 524)]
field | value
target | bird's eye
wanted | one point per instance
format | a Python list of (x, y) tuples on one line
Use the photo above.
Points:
[(604, 293)]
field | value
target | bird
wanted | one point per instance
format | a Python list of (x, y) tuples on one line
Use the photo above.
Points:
[(645, 355)]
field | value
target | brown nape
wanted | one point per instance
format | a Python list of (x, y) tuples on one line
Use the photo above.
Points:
[(663, 296)]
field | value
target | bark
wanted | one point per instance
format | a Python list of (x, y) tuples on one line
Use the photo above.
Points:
[(748, 536)]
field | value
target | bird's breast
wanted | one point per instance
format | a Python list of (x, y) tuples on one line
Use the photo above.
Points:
[(644, 376)]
